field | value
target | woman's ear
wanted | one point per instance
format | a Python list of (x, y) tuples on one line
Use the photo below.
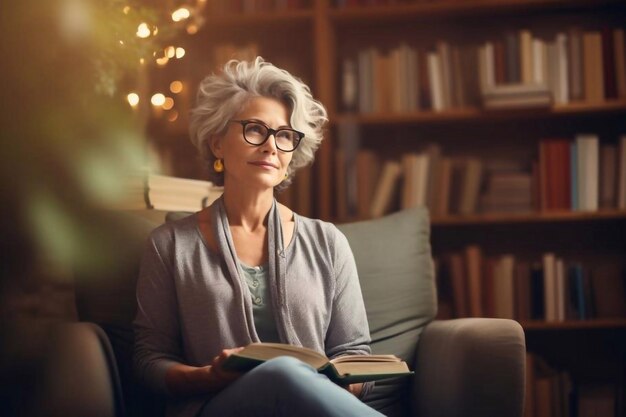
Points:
[(215, 145)]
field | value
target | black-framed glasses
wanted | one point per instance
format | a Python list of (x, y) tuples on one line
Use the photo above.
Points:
[(257, 133)]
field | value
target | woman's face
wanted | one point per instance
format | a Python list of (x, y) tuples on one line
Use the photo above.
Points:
[(248, 165)]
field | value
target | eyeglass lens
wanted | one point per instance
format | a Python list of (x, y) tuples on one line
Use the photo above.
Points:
[(256, 134)]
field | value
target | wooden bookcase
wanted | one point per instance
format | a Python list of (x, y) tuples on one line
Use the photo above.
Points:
[(312, 41)]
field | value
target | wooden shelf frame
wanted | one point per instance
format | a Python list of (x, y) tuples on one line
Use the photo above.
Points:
[(482, 115), (455, 8), (541, 325), (535, 217)]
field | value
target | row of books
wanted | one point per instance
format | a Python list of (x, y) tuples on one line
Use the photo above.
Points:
[(550, 288), (579, 174), (577, 65), (520, 70), (582, 174), (554, 393), (255, 6), (167, 193)]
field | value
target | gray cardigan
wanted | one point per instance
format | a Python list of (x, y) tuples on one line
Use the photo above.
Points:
[(193, 302)]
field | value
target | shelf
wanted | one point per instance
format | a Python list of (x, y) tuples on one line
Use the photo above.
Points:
[(245, 20), (540, 217), (481, 115), (450, 8), (537, 325)]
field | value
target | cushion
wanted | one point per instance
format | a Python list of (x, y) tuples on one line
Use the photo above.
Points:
[(393, 258)]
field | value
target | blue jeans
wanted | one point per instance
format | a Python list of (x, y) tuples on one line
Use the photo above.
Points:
[(285, 387)]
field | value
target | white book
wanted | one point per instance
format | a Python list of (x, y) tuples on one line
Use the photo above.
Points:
[(385, 188), (539, 56), (587, 146), (436, 81), (562, 96), (486, 62)]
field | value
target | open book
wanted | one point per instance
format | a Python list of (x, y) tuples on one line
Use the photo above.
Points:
[(343, 370)]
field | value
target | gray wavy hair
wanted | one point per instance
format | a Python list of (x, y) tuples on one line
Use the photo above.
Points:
[(221, 96)]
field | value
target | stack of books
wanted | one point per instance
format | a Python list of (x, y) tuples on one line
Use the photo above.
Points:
[(180, 194), (517, 96), (143, 190)]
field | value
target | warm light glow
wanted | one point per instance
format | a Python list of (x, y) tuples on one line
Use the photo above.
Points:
[(155, 31), (170, 52), (133, 99), (126, 9), (143, 31), (158, 99), (121, 42), (180, 14), (176, 87), (168, 104), (180, 52), (192, 29), (172, 116), (142, 61), (162, 61)]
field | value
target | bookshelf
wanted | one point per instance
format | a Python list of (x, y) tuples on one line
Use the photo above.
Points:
[(314, 39)]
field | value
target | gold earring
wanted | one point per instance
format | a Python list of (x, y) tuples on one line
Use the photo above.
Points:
[(286, 175), (218, 166)]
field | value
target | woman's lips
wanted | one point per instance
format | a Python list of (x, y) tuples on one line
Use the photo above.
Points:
[(264, 164)]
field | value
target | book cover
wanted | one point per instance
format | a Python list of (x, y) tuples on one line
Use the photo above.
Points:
[(348, 369)]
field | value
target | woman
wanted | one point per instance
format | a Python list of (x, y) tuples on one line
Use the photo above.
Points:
[(248, 269)]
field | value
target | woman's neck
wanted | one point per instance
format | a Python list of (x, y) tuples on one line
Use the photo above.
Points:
[(248, 210)]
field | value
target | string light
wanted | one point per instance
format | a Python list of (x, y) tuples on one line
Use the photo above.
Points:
[(170, 52), (192, 29), (176, 87), (133, 99), (168, 103), (162, 61), (126, 9), (157, 100), (172, 116), (143, 31), (180, 52), (180, 14)]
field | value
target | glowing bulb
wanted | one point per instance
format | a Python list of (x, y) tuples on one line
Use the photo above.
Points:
[(162, 61), (133, 99), (126, 9), (158, 99), (180, 14), (142, 61), (170, 52), (180, 52), (143, 31), (176, 87), (155, 31), (168, 103), (192, 29), (172, 116)]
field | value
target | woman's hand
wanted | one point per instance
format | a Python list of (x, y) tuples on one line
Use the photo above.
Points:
[(217, 377), (355, 389), (184, 380)]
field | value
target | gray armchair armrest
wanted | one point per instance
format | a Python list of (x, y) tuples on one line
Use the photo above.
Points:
[(470, 367)]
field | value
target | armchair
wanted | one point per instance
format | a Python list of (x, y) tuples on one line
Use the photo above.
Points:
[(463, 367)]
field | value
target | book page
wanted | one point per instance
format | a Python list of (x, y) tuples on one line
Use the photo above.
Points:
[(371, 368), (266, 351), (366, 358)]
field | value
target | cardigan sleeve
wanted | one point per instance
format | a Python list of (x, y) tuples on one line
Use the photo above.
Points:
[(156, 326), (348, 330)]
